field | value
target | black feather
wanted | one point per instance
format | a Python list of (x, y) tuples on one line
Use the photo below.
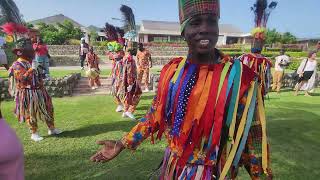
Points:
[(111, 32), (129, 19), (262, 11), (9, 12)]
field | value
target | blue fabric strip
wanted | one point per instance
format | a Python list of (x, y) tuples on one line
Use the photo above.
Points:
[(235, 90), (182, 101), (192, 172), (173, 88)]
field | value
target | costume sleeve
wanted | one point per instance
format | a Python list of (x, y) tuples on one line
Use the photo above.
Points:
[(142, 130), (148, 125)]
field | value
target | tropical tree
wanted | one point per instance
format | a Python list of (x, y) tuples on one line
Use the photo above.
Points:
[(60, 33), (273, 36), (288, 38)]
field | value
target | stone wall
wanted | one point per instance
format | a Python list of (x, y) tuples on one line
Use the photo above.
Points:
[(64, 60), (71, 50), (58, 87), (288, 81)]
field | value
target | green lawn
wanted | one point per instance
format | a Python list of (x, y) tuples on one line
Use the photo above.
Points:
[(60, 73), (294, 129)]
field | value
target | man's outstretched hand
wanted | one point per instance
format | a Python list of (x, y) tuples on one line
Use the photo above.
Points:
[(110, 150)]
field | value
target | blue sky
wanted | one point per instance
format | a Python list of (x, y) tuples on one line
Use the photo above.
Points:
[(288, 16)]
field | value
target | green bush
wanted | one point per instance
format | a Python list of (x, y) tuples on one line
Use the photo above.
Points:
[(103, 43), (271, 55), (287, 49), (231, 49), (74, 42), (294, 65)]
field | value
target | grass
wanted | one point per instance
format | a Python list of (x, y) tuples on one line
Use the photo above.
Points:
[(293, 122), (61, 73)]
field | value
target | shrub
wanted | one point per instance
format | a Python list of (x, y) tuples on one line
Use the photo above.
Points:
[(294, 65), (231, 49), (287, 49), (74, 42), (103, 43)]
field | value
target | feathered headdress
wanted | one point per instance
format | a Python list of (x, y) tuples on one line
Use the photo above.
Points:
[(111, 32), (129, 22), (262, 10), (114, 41)]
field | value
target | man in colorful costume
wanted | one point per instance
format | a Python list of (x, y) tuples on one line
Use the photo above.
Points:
[(33, 102), (208, 138), (131, 89), (255, 60), (116, 54), (144, 64)]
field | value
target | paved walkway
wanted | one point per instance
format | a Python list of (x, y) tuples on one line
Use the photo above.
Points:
[(104, 66)]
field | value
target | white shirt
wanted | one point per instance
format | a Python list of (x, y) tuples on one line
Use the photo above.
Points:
[(283, 59), (311, 65)]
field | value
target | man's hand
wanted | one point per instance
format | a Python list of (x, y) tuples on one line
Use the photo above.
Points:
[(110, 150)]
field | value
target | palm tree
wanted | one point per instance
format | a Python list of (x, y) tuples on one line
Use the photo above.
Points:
[(9, 12)]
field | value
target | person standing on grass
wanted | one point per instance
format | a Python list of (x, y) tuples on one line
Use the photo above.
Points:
[(83, 50), (93, 65), (3, 56), (130, 87), (307, 74), (281, 62), (33, 102), (144, 64), (11, 153), (42, 56), (209, 107), (255, 60)]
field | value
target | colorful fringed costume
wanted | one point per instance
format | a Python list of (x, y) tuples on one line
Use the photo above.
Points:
[(115, 54), (257, 62), (213, 118), (131, 88), (262, 66), (33, 102), (93, 64), (116, 75)]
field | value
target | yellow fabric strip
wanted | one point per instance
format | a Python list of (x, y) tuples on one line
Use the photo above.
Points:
[(264, 130), (239, 135), (222, 78), (176, 75)]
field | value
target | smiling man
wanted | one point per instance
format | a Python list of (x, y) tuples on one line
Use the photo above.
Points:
[(209, 108)]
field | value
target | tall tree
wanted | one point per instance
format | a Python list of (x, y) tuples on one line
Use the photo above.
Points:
[(288, 38), (273, 36)]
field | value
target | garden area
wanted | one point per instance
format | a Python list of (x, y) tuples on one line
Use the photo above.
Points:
[(293, 124)]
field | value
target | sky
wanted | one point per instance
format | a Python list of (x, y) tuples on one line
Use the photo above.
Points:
[(296, 16)]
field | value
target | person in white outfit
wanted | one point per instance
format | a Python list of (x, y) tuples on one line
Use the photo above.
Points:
[(3, 56), (282, 61), (307, 74)]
